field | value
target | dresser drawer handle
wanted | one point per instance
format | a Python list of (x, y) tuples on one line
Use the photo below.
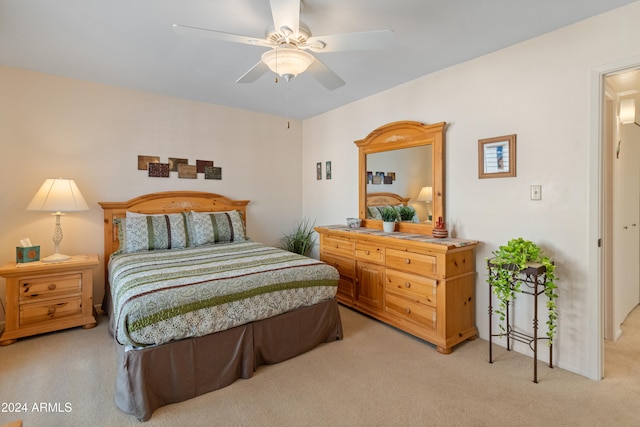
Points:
[(368, 252), (52, 286), (407, 261), (407, 284), (407, 310)]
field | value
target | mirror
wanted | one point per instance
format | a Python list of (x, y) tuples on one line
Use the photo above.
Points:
[(398, 164)]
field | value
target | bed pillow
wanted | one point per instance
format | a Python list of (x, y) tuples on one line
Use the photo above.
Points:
[(152, 232), (216, 227)]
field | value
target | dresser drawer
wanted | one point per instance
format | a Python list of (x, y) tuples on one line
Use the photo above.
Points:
[(50, 286), (416, 288), (369, 252), (411, 261), (45, 311), (338, 246), (345, 266), (424, 315)]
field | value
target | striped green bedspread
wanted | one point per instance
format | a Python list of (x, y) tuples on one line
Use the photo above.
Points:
[(160, 296)]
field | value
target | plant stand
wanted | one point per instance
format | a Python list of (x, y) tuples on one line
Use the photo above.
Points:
[(533, 280)]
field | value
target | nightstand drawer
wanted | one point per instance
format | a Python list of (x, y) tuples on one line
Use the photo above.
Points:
[(411, 261), (45, 311), (417, 288), (421, 314), (50, 286)]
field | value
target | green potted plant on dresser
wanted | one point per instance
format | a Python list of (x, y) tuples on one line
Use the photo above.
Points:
[(389, 217)]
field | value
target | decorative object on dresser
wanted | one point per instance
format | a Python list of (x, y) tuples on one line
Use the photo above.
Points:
[(45, 297), (58, 196), (419, 284), (389, 217), (440, 231)]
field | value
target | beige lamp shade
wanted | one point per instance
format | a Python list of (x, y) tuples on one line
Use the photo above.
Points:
[(58, 195), (426, 194)]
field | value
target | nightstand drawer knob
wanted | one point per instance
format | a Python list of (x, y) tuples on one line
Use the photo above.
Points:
[(51, 286), (51, 310), (407, 261), (407, 310), (407, 284)]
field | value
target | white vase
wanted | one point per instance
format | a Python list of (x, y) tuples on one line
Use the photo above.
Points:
[(389, 227)]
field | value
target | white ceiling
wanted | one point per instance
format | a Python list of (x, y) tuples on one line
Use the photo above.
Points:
[(130, 43)]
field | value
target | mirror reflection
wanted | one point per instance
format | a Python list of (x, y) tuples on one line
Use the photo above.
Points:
[(406, 173), (401, 164)]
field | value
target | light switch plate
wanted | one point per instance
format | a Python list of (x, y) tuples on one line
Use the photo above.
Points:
[(536, 192)]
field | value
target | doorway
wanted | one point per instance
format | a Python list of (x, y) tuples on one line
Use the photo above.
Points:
[(620, 201)]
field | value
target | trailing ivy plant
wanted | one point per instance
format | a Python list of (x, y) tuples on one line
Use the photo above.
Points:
[(506, 263)]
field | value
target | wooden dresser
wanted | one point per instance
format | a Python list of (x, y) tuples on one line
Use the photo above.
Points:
[(419, 284)]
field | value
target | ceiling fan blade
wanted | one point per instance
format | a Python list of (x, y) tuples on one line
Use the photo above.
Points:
[(286, 13), (219, 35), (324, 75), (367, 40), (254, 73)]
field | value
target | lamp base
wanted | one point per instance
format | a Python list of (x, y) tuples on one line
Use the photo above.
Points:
[(56, 258)]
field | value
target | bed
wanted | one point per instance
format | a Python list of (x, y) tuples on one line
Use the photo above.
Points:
[(192, 309)]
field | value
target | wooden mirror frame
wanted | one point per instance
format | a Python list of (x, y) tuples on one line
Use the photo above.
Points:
[(395, 136)]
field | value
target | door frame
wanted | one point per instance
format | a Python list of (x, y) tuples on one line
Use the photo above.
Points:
[(596, 283)]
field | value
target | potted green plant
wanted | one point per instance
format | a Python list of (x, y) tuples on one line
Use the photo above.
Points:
[(407, 213), (505, 265), (389, 217), (301, 239)]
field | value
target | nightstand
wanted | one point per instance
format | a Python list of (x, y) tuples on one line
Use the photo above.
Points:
[(46, 297)]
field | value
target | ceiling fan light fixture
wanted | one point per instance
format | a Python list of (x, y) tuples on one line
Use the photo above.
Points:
[(287, 61)]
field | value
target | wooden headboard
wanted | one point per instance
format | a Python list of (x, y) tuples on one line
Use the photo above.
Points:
[(386, 199), (164, 202)]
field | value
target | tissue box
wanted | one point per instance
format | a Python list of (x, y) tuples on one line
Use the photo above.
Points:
[(28, 254)]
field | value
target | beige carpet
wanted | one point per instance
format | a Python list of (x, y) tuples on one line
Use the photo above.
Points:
[(375, 376)]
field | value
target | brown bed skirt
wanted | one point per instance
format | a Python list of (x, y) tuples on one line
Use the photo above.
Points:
[(152, 377)]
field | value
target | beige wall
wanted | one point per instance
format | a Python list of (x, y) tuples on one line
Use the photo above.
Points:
[(543, 91), (52, 127)]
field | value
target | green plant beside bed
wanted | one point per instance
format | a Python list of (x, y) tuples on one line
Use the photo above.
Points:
[(507, 262), (301, 239)]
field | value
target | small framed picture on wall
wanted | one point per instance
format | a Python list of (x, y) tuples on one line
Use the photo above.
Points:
[(319, 170)]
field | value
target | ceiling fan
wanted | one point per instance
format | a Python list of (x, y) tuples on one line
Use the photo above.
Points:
[(290, 39)]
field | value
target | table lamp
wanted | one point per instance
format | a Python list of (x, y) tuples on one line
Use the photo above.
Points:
[(58, 196), (426, 195)]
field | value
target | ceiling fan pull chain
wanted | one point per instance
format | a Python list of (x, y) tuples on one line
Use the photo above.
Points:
[(288, 97)]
